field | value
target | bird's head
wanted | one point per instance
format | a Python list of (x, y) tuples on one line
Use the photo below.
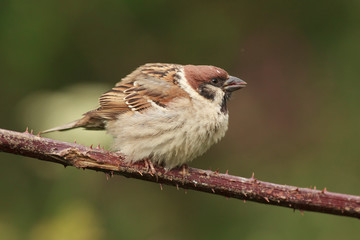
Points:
[(212, 83)]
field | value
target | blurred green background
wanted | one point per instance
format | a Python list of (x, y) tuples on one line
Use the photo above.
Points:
[(296, 123)]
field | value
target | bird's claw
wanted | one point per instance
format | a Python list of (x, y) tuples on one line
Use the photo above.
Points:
[(150, 167), (184, 172)]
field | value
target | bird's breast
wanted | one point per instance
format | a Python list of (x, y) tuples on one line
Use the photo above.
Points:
[(173, 135)]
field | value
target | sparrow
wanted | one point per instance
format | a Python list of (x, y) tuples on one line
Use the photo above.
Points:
[(167, 113)]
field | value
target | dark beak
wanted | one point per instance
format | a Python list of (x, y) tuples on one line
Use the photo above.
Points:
[(233, 84)]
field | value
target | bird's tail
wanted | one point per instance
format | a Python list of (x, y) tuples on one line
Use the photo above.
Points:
[(91, 121), (74, 124)]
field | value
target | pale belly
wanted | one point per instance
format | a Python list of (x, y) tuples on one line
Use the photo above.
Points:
[(170, 136)]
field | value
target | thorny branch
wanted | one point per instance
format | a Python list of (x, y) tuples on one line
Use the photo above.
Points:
[(71, 154)]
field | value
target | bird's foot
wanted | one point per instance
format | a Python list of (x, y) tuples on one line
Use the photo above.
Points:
[(184, 172), (150, 167)]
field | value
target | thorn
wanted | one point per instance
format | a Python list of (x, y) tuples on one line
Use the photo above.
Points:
[(91, 146), (324, 190), (98, 146), (314, 187), (227, 171), (107, 176), (216, 171), (140, 173), (75, 141), (161, 186), (32, 132), (213, 190), (112, 173), (253, 177), (177, 187), (297, 189), (266, 199), (27, 130)]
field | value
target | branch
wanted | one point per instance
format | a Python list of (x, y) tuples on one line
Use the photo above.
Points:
[(71, 154)]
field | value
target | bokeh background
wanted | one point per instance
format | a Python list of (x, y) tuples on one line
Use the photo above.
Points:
[(296, 123)]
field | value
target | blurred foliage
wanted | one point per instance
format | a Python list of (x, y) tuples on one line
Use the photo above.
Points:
[(296, 123)]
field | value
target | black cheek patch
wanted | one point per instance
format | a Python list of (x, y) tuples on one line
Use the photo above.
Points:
[(205, 92), (223, 108)]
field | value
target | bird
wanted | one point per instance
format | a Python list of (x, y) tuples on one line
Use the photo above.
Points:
[(166, 113)]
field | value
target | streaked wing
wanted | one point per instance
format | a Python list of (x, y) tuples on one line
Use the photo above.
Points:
[(147, 85), (120, 99)]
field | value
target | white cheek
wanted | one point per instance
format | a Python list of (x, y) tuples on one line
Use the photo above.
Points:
[(215, 103), (184, 84)]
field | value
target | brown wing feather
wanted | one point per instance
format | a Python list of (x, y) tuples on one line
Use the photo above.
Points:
[(155, 83)]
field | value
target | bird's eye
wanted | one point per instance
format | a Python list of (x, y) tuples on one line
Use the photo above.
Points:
[(214, 80)]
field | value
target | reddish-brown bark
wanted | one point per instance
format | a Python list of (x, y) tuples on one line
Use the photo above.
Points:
[(201, 180)]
